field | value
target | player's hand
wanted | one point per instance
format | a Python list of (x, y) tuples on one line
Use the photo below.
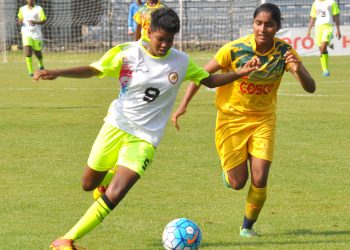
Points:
[(250, 66), (31, 22), (174, 118), (337, 35), (292, 61), (44, 75)]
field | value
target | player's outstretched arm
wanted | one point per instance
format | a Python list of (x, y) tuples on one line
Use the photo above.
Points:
[(296, 67), (76, 72), (211, 67), (311, 24), (337, 23), (217, 80), (212, 81), (138, 32)]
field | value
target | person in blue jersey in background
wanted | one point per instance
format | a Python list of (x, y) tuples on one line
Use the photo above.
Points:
[(133, 8)]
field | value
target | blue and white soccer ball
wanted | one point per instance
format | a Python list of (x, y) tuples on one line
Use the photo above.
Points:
[(181, 234)]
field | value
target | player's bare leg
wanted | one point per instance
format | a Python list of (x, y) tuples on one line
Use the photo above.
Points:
[(29, 61), (237, 177), (259, 169), (123, 180), (39, 55)]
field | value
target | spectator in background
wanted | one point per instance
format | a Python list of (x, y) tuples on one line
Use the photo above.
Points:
[(143, 18), (323, 14), (31, 17), (133, 8)]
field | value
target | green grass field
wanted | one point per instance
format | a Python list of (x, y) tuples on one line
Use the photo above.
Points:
[(47, 130)]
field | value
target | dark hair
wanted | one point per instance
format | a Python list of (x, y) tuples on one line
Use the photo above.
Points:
[(273, 9), (165, 19)]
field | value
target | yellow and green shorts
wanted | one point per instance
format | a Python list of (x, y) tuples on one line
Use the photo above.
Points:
[(35, 44), (114, 147), (238, 136), (323, 33)]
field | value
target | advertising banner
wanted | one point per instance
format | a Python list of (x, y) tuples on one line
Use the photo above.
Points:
[(306, 46)]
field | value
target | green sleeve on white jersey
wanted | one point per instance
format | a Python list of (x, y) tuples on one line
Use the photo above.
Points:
[(42, 14), (335, 9), (110, 63), (195, 73), (313, 11), (20, 14)]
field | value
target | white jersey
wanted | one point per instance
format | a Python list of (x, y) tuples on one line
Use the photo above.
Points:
[(148, 87), (31, 14), (323, 11)]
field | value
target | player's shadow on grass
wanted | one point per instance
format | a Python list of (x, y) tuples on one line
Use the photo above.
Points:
[(310, 232), (256, 243), (265, 240)]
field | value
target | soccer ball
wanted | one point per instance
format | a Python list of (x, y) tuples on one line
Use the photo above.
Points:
[(181, 234)]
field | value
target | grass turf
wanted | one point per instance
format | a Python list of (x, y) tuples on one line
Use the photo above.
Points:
[(47, 130)]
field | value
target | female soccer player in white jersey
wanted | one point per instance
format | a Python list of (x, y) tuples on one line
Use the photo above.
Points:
[(150, 74), (245, 125), (323, 13), (31, 17)]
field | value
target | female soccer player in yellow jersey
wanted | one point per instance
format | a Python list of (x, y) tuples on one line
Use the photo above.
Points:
[(150, 74), (245, 125)]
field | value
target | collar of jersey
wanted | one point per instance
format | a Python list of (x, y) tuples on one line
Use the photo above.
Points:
[(143, 41), (252, 41)]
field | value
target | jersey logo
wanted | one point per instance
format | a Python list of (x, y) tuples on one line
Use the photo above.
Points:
[(173, 78)]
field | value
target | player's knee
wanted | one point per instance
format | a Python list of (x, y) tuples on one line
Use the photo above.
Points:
[(237, 184), (260, 183), (87, 185)]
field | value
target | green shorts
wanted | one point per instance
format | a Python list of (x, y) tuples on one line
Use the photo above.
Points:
[(35, 44), (114, 147), (323, 33)]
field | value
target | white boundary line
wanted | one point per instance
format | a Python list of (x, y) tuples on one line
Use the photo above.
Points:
[(115, 89)]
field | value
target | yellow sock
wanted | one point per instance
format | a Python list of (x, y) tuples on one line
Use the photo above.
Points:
[(255, 201), (29, 63), (324, 62), (108, 177), (92, 218)]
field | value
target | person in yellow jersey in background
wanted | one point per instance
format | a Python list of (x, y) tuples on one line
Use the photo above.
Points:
[(323, 14), (143, 18), (31, 17), (246, 117)]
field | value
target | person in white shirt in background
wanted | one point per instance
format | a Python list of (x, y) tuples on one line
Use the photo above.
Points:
[(323, 14), (31, 17)]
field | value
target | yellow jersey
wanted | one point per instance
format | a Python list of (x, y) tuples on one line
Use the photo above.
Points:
[(143, 17), (255, 94)]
